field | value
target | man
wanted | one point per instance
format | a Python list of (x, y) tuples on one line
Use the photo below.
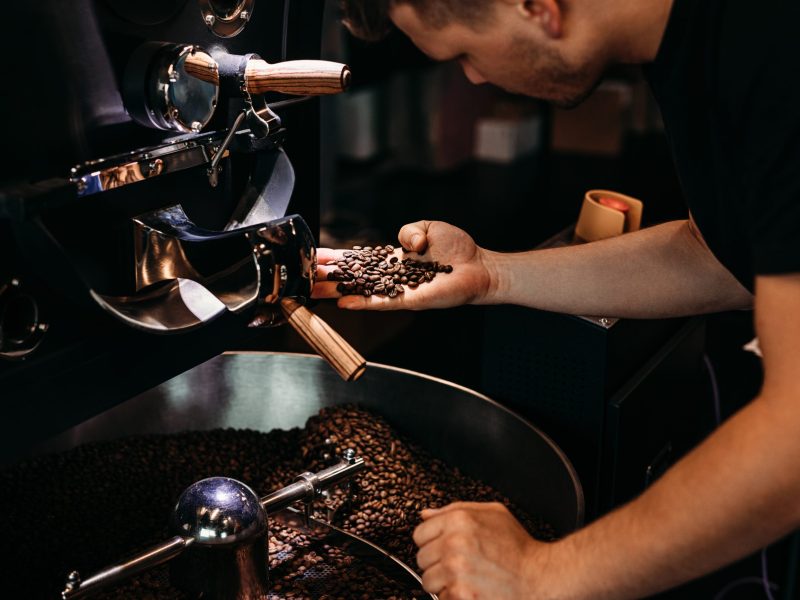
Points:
[(725, 75)]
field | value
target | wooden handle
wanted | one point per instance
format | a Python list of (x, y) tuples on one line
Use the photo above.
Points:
[(297, 77), (202, 66), (348, 363)]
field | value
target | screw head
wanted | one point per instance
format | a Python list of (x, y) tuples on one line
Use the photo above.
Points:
[(210, 20), (244, 15)]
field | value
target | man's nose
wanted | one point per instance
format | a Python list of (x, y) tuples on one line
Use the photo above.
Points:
[(471, 72)]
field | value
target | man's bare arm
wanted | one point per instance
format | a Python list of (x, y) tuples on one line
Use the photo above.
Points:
[(735, 493), (662, 271)]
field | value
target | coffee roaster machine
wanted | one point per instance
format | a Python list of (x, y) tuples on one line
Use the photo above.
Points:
[(135, 198), (159, 205)]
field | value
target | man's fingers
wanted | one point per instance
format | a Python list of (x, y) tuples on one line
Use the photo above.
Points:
[(325, 255), (430, 554), (434, 579), (428, 531), (371, 303), (414, 236)]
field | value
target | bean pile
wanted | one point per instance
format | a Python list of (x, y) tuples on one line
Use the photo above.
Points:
[(367, 271), (101, 502)]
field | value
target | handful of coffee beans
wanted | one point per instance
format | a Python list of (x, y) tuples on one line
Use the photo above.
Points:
[(364, 271)]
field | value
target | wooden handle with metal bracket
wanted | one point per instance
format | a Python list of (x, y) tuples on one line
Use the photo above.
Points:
[(348, 363), (297, 77), (203, 67)]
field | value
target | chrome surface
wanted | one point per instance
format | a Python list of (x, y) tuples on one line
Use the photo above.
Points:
[(268, 192), (187, 276), (264, 391), (226, 18), (21, 327), (219, 510), (222, 525), (310, 486), (160, 93), (219, 153), (124, 169), (228, 558), (76, 588)]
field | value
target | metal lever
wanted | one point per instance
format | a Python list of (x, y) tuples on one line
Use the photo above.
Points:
[(305, 489), (310, 485), (76, 588), (220, 153)]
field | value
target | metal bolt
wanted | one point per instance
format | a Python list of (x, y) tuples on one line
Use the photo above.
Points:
[(244, 15), (196, 126), (210, 20), (349, 455), (604, 322), (73, 581), (284, 274)]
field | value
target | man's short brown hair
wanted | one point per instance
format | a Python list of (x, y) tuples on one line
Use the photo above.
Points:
[(369, 19)]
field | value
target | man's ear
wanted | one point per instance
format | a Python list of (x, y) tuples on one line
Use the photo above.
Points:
[(546, 13)]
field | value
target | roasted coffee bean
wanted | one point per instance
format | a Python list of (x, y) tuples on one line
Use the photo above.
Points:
[(376, 271), (129, 486)]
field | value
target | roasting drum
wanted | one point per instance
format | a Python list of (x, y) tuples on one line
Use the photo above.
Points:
[(264, 391)]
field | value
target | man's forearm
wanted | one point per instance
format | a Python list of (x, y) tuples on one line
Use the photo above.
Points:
[(661, 271), (735, 493)]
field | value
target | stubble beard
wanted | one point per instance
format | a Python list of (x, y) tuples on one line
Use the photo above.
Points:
[(547, 76)]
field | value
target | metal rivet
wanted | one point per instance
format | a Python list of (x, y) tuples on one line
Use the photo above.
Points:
[(244, 15), (210, 20)]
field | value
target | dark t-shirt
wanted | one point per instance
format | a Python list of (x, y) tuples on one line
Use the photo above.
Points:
[(727, 80)]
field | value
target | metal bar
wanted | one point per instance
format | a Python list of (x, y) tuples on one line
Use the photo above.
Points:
[(312, 484), (150, 558), (222, 151)]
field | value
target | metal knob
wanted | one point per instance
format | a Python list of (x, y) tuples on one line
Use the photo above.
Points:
[(219, 510)]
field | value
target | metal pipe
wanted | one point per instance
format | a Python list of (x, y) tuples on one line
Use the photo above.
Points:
[(156, 555), (310, 485)]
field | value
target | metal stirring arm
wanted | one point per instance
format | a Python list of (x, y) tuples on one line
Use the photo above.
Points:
[(152, 557), (308, 487)]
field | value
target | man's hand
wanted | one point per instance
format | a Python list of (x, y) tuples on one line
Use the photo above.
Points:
[(429, 241), (471, 551)]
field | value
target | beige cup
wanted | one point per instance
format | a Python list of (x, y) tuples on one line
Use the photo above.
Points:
[(598, 222)]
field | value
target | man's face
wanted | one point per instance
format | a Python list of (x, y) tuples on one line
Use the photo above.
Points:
[(508, 51)]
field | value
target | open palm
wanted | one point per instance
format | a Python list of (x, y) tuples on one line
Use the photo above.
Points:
[(449, 245)]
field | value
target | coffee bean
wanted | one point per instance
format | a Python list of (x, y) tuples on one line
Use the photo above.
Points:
[(377, 271), (131, 484)]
